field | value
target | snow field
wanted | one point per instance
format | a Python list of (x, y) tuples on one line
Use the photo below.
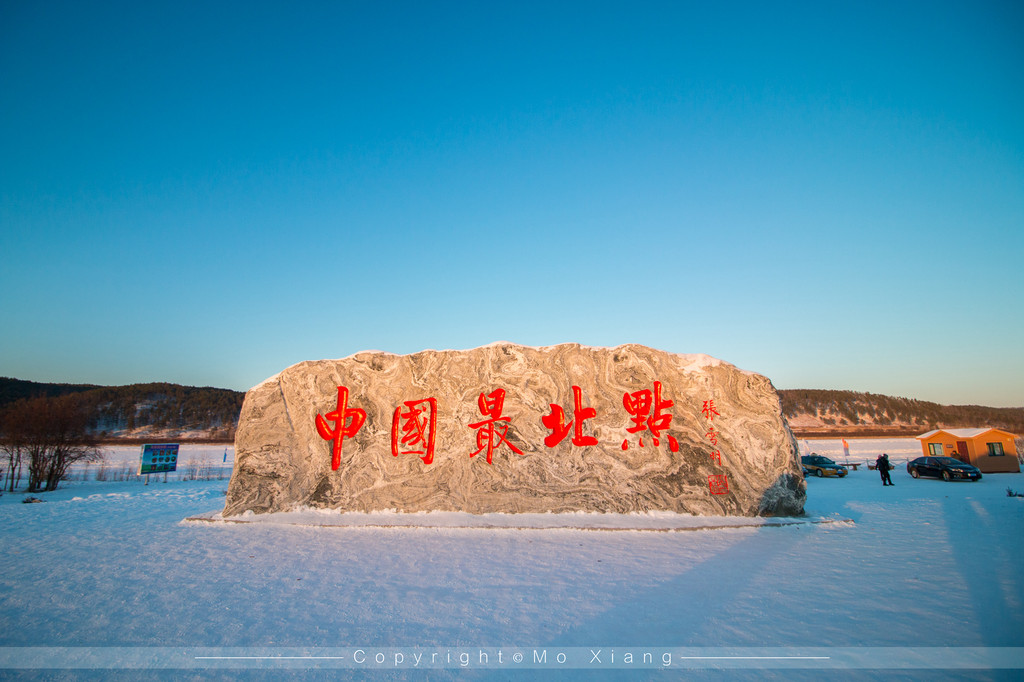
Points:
[(114, 564)]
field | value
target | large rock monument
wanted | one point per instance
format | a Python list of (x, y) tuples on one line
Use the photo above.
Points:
[(509, 428)]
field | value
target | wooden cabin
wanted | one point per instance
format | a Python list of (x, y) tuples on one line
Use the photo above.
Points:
[(993, 451)]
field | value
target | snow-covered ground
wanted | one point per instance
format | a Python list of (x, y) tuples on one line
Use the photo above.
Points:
[(107, 579)]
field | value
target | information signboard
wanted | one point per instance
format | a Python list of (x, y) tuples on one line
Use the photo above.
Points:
[(158, 458)]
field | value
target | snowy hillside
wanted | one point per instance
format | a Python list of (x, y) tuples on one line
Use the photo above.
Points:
[(848, 412)]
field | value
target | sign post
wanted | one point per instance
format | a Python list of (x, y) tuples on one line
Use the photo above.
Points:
[(157, 458)]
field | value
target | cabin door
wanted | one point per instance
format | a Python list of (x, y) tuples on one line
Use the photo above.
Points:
[(961, 452)]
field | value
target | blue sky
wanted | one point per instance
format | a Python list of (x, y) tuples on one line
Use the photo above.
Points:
[(830, 194)]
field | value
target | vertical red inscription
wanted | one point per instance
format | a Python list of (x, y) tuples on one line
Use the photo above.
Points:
[(709, 412)]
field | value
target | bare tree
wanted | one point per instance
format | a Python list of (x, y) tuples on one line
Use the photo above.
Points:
[(51, 434), (13, 440)]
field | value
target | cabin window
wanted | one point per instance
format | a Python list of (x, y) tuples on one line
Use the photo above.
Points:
[(935, 449), (995, 449)]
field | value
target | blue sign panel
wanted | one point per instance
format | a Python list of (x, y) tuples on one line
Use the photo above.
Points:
[(158, 458)]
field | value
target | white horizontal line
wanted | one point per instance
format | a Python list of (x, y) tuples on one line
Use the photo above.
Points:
[(265, 658), (688, 658), (757, 658)]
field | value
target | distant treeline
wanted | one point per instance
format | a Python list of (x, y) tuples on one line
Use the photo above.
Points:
[(12, 390), (120, 410), (850, 409)]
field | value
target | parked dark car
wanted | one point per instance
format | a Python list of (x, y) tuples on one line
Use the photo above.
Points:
[(946, 468), (822, 466)]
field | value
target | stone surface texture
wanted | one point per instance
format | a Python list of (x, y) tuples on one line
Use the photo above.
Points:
[(282, 462)]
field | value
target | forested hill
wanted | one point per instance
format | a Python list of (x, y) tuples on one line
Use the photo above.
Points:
[(171, 411), (820, 412), (12, 390), (143, 411)]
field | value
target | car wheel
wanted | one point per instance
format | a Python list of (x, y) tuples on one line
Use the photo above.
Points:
[(913, 472), (817, 472), (946, 476)]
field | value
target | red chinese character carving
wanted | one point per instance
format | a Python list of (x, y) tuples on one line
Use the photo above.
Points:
[(342, 427), (709, 410), (418, 429), (719, 484), (487, 431), (716, 457), (712, 435), (560, 429), (639, 404)]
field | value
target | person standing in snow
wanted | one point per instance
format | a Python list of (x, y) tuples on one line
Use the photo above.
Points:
[(883, 466)]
